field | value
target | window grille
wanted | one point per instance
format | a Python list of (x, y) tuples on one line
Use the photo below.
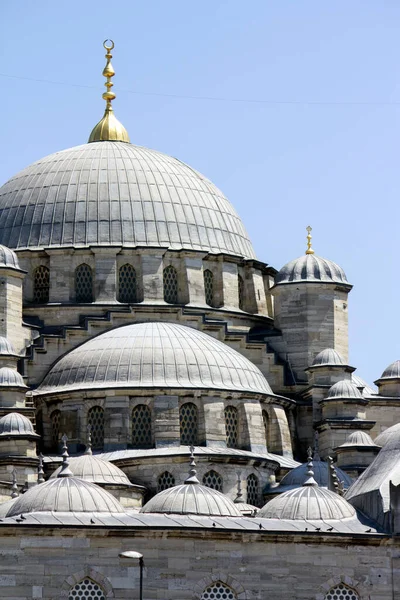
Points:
[(141, 426), (231, 426), (218, 591), (213, 480), (170, 278), (127, 291), (86, 590), (188, 424), (83, 283), (241, 291), (96, 422), (55, 428), (253, 494), (165, 481), (341, 592), (209, 287), (41, 285), (265, 423)]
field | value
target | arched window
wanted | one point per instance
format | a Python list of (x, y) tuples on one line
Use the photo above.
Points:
[(55, 428), (231, 426), (266, 425), (41, 285), (213, 480), (96, 421), (218, 590), (141, 426), (253, 493), (127, 290), (341, 592), (188, 424), (170, 279), (209, 287), (86, 589), (241, 292), (83, 283), (166, 480)]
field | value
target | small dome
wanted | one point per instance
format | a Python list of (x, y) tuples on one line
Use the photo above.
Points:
[(296, 477), (344, 389), (5, 506), (65, 494), (308, 502), (367, 390), (96, 470), (392, 371), (16, 424), (6, 346), (358, 438), (391, 433), (10, 377), (328, 357), (8, 258), (247, 510), (311, 268)]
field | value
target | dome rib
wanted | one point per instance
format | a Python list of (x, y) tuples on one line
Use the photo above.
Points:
[(310, 268)]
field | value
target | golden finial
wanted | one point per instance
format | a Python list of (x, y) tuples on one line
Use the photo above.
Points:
[(309, 236), (109, 128)]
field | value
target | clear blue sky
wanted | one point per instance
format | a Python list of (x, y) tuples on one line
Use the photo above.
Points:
[(318, 145)]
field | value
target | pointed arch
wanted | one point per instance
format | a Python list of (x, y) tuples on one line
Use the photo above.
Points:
[(188, 422), (141, 426), (165, 481), (41, 284), (97, 578), (95, 418), (209, 287), (127, 284), (213, 480), (231, 426), (170, 281), (83, 283)]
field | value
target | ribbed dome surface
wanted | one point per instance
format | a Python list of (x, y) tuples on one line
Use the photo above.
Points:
[(307, 502), (6, 346), (297, 476), (66, 494), (96, 470), (311, 268), (16, 424), (391, 433), (8, 258), (116, 193), (358, 438), (10, 377), (344, 389), (154, 355), (191, 499), (330, 357), (392, 371)]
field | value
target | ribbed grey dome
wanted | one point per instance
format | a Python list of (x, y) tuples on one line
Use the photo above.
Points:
[(307, 502), (111, 193), (297, 476), (16, 424), (94, 469), (66, 494), (358, 438), (311, 268), (391, 433), (8, 258), (10, 377), (191, 499), (344, 389), (392, 371), (148, 355), (6, 346), (330, 357)]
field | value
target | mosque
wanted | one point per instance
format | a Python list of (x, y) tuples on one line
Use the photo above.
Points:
[(178, 419)]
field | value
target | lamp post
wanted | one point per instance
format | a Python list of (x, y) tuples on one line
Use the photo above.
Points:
[(132, 555)]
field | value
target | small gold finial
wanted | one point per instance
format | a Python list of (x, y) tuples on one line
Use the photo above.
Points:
[(309, 236), (109, 128)]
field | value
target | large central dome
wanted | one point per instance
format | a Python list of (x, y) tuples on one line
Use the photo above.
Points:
[(107, 192)]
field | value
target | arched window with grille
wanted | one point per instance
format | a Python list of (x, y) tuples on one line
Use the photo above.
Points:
[(253, 490), (241, 292), (218, 590), (165, 481), (170, 280), (86, 589), (188, 419), (55, 418), (209, 287), (342, 592), (231, 426), (127, 284), (41, 285), (265, 419), (141, 427), (213, 480), (83, 283), (96, 421)]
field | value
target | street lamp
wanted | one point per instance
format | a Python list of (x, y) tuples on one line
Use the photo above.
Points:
[(132, 555)]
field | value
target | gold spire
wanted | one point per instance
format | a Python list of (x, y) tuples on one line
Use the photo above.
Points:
[(309, 236), (109, 128)]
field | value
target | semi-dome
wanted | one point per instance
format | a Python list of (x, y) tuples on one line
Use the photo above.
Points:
[(392, 371), (96, 470), (8, 258), (153, 355), (15, 424), (10, 378), (6, 346), (113, 193), (328, 357), (311, 268), (344, 389), (391, 433)]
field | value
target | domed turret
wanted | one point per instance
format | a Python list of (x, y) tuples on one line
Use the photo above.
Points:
[(6, 347), (10, 378), (8, 258), (328, 358), (389, 381), (344, 390), (16, 425), (312, 269), (389, 434)]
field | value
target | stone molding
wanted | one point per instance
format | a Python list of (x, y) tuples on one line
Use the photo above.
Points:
[(333, 581), (223, 577), (96, 576)]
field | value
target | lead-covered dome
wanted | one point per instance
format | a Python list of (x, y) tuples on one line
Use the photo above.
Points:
[(10, 378), (8, 258), (96, 470), (328, 358), (392, 371), (107, 192), (15, 425), (311, 268), (154, 355)]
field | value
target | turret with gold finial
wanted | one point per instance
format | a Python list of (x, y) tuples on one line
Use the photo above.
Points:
[(109, 128)]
